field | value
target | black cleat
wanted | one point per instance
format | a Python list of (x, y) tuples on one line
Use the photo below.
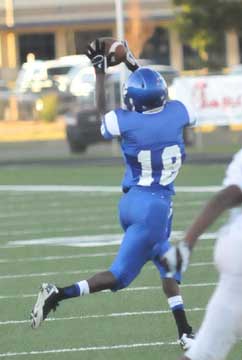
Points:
[(47, 300)]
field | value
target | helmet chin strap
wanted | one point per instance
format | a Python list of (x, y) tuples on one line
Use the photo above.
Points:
[(154, 111), (132, 104)]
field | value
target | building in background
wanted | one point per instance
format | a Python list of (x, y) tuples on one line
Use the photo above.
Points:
[(54, 28)]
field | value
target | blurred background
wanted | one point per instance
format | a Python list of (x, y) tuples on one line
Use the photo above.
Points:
[(60, 182), (47, 104)]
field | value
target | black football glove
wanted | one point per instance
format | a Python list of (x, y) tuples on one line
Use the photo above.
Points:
[(96, 53), (130, 61)]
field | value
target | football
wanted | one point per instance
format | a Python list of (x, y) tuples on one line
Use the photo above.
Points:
[(114, 50)]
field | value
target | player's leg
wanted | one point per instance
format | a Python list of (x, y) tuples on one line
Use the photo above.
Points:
[(175, 301), (176, 305), (101, 281), (131, 257), (143, 224), (172, 292), (133, 253), (221, 327), (139, 211)]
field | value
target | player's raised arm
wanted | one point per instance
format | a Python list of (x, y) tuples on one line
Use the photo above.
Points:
[(96, 53), (100, 94)]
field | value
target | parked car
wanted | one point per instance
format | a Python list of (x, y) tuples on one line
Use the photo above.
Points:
[(36, 79), (82, 123)]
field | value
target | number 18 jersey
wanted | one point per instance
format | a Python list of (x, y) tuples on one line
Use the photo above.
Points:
[(151, 142)]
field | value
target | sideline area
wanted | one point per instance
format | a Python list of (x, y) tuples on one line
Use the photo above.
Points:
[(20, 131)]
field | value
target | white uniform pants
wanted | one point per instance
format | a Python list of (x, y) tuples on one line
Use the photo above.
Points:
[(222, 325)]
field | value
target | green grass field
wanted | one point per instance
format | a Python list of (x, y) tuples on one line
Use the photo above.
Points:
[(132, 324)]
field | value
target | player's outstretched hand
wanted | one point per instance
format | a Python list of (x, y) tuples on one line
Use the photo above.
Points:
[(130, 61), (96, 53), (177, 258)]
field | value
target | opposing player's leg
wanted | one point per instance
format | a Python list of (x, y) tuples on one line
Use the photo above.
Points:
[(221, 327)]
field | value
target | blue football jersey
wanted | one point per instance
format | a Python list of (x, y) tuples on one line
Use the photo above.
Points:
[(151, 142)]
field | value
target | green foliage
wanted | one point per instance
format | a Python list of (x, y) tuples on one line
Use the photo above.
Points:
[(202, 23)]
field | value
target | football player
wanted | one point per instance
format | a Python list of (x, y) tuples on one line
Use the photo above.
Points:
[(151, 132), (222, 324)]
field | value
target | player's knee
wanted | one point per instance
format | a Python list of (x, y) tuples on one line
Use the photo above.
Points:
[(123, 278)]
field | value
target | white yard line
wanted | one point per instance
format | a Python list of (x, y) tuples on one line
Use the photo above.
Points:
[(56, 257), (89, 240), (80, 271), (144, 288), (101, 316), (59, 211), (78, 256), (107, 189), (85, 241), (132, 289), (60, 188), (198, 189), (91, 348)]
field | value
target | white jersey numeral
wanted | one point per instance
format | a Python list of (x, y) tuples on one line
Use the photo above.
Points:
[(171, 160), (144, 158)]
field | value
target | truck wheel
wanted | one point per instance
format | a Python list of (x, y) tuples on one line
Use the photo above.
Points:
[(75, 142)]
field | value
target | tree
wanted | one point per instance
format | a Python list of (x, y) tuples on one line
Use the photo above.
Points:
[(202, 23)]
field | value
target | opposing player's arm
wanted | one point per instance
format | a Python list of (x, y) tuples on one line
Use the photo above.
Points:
[(226, 199), (177, 257)]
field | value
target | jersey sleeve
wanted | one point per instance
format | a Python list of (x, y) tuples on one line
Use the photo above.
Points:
[(234, 172), (192, 120), (110, 125), (188, 116)]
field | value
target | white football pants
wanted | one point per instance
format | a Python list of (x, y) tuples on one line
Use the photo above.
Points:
[(222, 325)]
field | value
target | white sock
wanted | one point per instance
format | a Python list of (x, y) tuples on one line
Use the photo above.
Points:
[(175, 302), (84, 287)]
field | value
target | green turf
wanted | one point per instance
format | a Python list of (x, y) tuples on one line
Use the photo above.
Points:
[(26, 216), (101, 175)]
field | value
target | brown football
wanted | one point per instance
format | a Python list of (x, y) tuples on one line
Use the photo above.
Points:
[(115, 49)]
